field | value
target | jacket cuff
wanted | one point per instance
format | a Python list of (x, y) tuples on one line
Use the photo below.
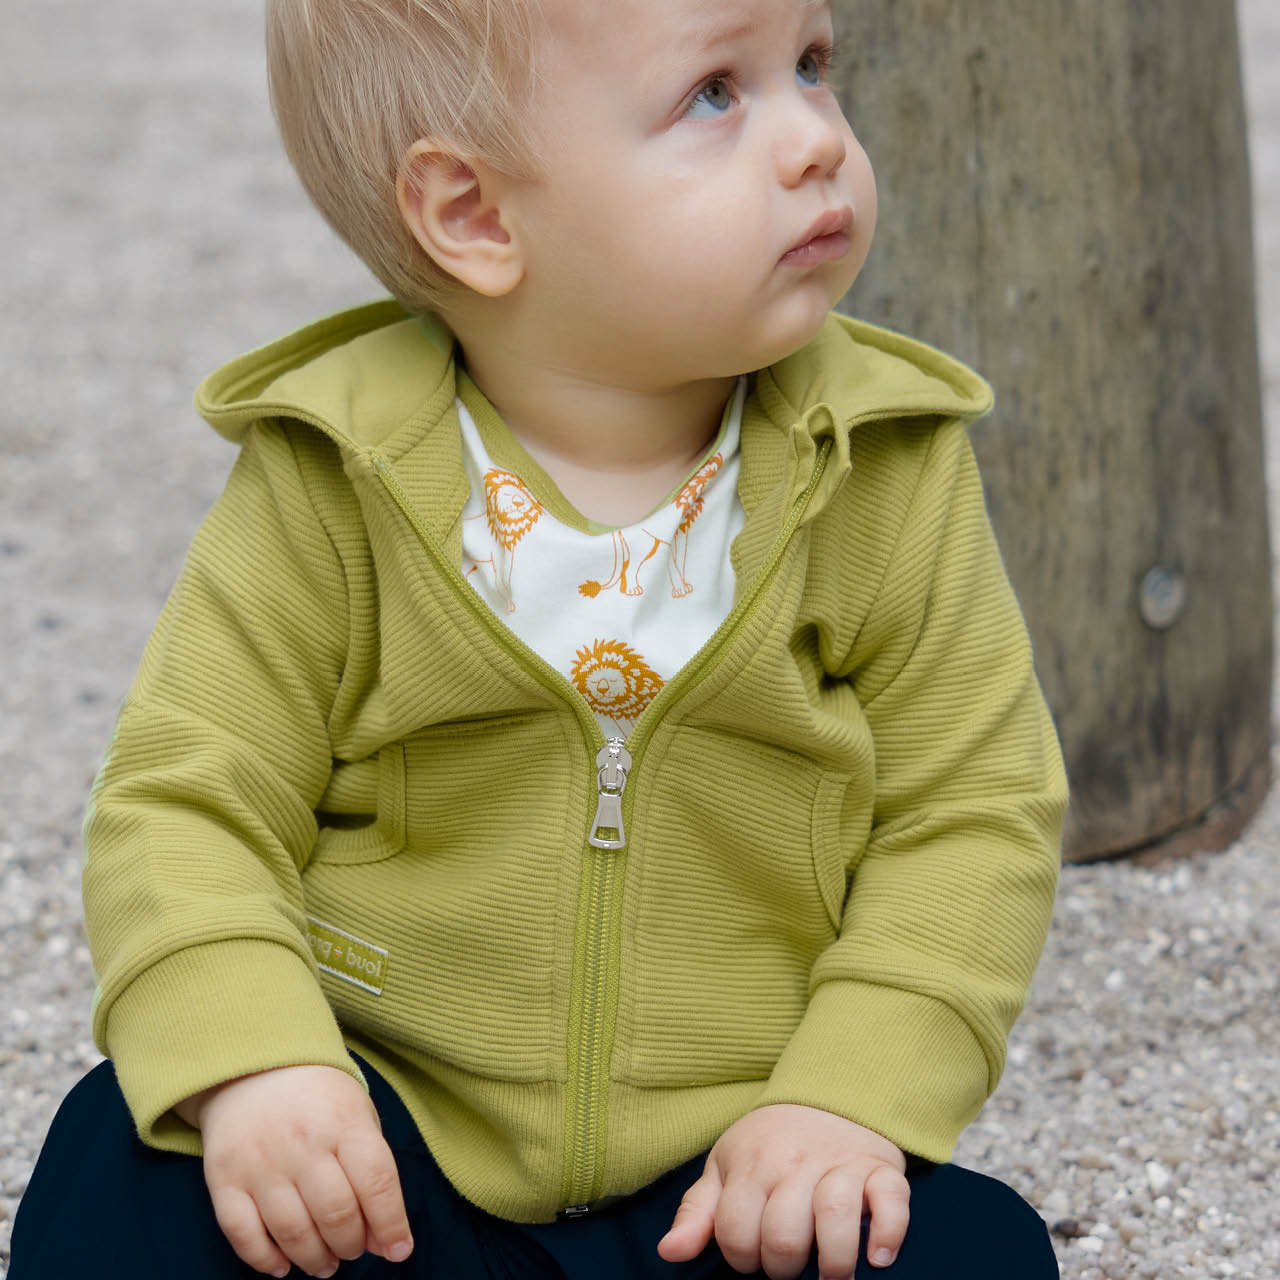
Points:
[(904, 1064), (207, 1014)]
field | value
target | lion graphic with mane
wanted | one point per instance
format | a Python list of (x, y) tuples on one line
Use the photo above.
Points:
[(689, 503), (615, 680), (510, 511)]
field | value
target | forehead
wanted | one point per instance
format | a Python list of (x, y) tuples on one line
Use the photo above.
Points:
[(699, 25), (676, 30)]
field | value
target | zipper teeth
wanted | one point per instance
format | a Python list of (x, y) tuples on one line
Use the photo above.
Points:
[(595, 990)]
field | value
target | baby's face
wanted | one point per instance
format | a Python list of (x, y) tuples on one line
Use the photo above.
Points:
[(690, 146)]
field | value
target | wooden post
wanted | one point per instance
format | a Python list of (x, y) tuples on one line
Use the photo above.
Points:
[(1065, 203)]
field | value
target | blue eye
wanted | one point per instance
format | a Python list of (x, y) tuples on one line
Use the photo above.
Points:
[(816, 63), (715, 94)]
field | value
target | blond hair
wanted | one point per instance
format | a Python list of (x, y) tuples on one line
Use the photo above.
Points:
[(354, 83)]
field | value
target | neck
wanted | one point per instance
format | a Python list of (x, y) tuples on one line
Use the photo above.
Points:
[(568, 414)]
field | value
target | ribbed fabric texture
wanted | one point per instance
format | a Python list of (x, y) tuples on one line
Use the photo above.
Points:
[(344, 807)]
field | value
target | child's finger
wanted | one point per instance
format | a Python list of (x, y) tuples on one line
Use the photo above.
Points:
[(888, 1196), (694, 1220), (786, 1227), (738, 1217), (334, 1207), (239, 1220), (287, 1218), (837, 1211), (371, 1169)]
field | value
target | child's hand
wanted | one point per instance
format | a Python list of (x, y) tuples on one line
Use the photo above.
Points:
[(777, 1170), (298, 1170)]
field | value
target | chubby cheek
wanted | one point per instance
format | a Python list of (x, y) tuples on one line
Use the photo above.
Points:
[(862, 186), (691, 242)]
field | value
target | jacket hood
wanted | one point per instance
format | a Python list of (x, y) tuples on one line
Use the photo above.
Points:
[(364, 374)]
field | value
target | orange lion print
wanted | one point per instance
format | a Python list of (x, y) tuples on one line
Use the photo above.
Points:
[(689, 502), (615, 680), (510, 511)]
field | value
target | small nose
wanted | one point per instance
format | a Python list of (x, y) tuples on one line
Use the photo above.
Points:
[(812, 146)]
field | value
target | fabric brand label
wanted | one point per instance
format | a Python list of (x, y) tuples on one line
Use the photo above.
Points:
[(352, 959)]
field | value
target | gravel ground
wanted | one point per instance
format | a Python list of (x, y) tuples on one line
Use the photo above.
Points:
[(1141, 1109)]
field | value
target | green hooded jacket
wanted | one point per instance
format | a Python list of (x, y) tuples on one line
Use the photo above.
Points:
[(345, 807)]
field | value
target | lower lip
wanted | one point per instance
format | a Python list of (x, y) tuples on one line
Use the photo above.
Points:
[(818, 250)]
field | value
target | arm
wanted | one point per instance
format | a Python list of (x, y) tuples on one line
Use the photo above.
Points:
[(904, 1036), (202, 814), (951, 899)]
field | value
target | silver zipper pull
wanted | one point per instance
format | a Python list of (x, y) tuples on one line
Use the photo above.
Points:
[(612, 762)]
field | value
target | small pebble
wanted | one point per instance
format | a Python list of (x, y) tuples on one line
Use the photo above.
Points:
[(1129, 1229), (1057, 1204)]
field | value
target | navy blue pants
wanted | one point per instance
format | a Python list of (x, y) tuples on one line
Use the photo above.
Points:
[(101, 1204)]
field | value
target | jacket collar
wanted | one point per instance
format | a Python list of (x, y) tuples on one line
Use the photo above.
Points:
[(378, 381)]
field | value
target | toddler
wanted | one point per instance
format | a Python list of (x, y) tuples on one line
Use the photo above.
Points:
[(586, 807)]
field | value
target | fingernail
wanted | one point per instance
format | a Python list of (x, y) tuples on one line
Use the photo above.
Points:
[(400, 1251), (883, 1257)]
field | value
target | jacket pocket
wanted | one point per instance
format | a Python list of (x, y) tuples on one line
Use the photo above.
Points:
[(830, 859), (463, 924), (738, 890)]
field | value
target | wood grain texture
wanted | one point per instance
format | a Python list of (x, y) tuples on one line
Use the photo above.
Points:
[(1065, 203)]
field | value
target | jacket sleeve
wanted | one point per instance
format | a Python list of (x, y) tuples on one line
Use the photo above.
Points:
[(950, 901), (202, 814)]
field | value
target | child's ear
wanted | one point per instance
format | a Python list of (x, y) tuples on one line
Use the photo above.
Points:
[(454, 210)]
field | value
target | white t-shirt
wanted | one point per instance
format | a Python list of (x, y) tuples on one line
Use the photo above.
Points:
[(617, 612)]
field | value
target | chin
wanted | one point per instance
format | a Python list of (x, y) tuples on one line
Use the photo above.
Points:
[(787, 339), (770, 332)]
